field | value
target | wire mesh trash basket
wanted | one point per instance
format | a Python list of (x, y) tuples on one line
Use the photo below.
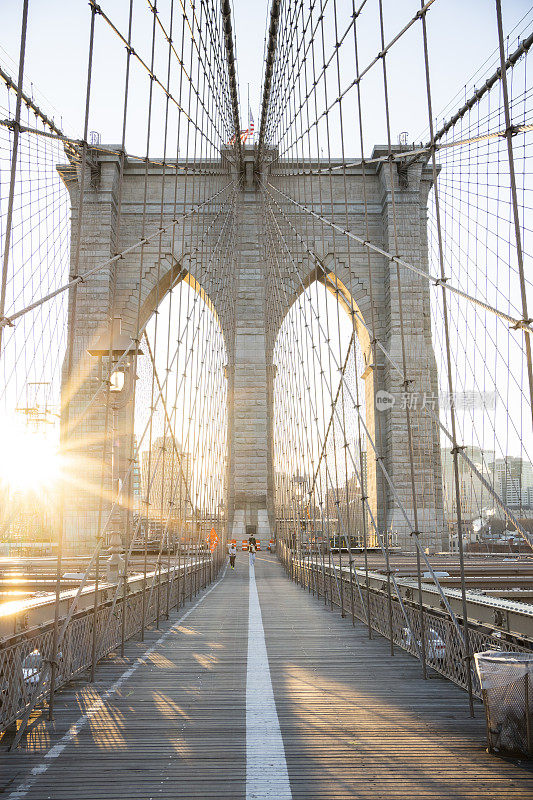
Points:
[(507, 685)]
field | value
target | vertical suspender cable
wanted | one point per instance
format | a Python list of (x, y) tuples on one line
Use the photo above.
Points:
[(14, 156), (455, 446), (509, 133), (69, 361)]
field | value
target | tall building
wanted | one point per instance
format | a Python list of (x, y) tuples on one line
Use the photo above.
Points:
[(513, 479), (475, 497), (166, 479)]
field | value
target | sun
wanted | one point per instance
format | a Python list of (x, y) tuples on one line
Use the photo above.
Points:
[(30, 459)]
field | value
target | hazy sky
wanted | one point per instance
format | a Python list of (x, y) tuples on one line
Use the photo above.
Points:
[(461, 34), (462, 38)]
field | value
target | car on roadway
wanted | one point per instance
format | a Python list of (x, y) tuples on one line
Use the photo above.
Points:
[(435, 646), (31, 668)]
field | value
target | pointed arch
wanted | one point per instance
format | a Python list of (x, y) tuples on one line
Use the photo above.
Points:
[(348, 367)]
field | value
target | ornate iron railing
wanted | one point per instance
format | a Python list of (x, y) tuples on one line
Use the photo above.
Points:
[(443, 648), (24, 655)]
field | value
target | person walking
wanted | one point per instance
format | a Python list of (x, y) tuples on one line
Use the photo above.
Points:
[(251, 548), (232, 554)]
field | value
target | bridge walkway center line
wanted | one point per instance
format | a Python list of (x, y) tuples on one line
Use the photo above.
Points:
[(349, 721), (266, 765)]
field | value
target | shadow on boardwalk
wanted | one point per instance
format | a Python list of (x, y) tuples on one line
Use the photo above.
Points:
[(356, 723)]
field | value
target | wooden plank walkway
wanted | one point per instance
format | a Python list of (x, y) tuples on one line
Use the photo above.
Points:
[(355, 722)]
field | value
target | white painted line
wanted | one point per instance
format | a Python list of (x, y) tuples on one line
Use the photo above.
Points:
[(24, 787), (266, 766)]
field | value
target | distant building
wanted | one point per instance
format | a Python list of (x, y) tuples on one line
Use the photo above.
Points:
[(475, 497), (513, 481), (166, 482), (511, 478)]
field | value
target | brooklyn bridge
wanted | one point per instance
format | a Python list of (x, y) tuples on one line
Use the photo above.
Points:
[(266, 475)]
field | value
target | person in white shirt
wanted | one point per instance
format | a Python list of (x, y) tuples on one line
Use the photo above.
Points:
[(232, 554), (251, 547)]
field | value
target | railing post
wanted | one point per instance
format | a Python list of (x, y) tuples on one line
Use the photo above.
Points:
[(95, 618), (330, 578), (528, 715), (124, 609), (157, 578)]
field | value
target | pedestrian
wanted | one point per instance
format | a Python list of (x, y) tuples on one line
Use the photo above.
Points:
[(252, 553), (232, 554)]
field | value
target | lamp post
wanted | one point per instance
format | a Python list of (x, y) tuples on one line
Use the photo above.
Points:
[(113, 346)]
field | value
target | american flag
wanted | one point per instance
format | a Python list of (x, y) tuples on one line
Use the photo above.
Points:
[(249, 132)]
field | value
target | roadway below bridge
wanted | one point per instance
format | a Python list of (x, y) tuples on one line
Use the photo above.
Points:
[(257, 690)]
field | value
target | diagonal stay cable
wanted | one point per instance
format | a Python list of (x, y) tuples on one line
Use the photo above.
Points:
[(140, 243), (503, 505), (513, 322)]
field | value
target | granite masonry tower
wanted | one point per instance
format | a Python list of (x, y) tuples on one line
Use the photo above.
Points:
[(249, 369)]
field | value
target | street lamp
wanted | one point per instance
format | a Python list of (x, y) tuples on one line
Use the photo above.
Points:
[(113, 345)]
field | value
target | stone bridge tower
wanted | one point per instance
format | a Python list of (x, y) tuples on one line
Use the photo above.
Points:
[(249, 370)]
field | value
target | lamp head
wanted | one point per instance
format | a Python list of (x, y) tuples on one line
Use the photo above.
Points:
[(114, 342)]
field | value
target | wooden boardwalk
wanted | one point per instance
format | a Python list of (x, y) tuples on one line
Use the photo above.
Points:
[(354, 722)]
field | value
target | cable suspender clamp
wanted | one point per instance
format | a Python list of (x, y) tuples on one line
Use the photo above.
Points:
[(512, 130), (522, 324)]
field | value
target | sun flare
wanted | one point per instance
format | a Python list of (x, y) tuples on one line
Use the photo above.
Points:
[(30, 459)]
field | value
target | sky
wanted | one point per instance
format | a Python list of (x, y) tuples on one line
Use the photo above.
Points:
[(462, 44), (461, 36)]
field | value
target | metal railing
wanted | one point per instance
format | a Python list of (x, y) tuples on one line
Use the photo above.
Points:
[(444, 651), (24, 655)]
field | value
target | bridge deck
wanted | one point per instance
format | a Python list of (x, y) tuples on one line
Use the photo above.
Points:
[(355, 723)]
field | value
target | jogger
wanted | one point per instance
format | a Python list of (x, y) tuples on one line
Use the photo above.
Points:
[(232, 554)]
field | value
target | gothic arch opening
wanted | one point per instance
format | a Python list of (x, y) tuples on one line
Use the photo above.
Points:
[(161, 278), (181, 415), (323, 415), (155, 447)]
